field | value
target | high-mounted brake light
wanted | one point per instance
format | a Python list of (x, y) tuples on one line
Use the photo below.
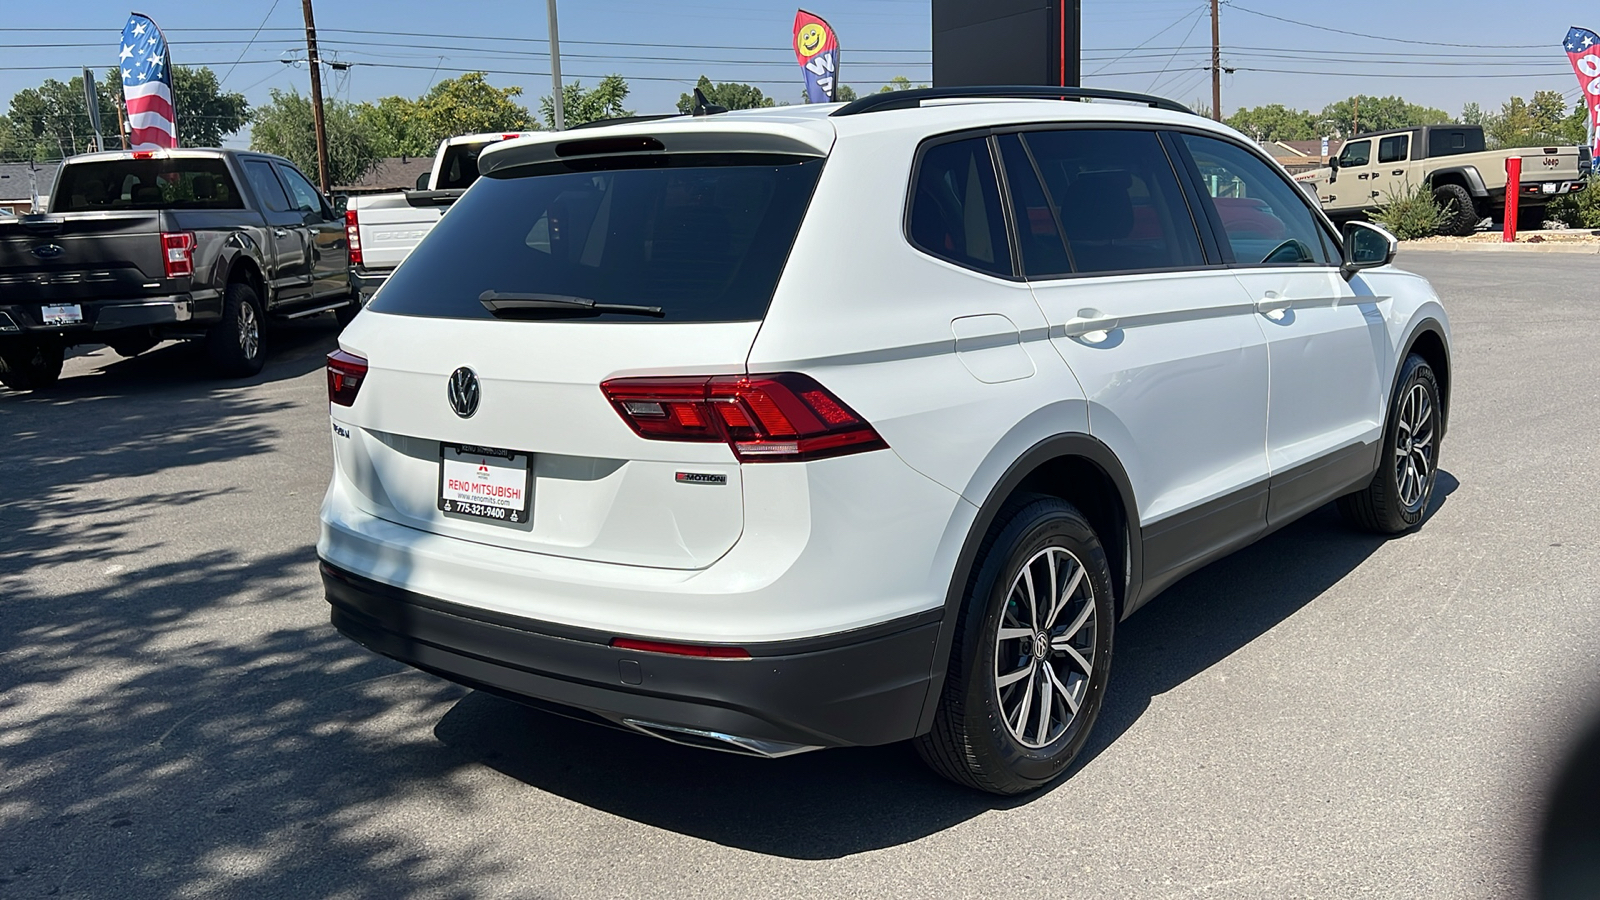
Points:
[(177, 253), (765, 418), (352, 236), (346, 371), (144, 154), (703, 651)]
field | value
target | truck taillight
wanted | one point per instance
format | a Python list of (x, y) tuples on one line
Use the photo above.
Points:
[(177, 253), (346, 371), (784, 417), (352, 236)]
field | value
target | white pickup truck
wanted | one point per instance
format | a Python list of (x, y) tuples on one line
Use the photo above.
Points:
[(383, 228)]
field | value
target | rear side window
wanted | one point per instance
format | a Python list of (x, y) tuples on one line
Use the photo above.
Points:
[(169, 183), (1393, 149), (1117, 199), (1264, 215), (460, 166), (706, 239), (266, 186), (955, 207)]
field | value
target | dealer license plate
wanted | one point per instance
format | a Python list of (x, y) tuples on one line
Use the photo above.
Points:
[(65, 314), (485, 483)]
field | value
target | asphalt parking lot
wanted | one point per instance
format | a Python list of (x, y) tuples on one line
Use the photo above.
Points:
[(1322, 715)]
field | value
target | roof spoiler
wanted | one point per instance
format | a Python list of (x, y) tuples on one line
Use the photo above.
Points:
[(913, 98)]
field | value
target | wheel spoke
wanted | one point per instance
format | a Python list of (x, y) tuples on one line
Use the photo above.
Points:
[(1033, 603), (1077, 623), (1011, 634), (1061, 599), (1077, 657), (1072, 702), (1026, 706), (1011, 678), (1046, 706)]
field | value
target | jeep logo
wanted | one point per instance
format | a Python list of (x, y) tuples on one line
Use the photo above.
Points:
[(1550, 162)]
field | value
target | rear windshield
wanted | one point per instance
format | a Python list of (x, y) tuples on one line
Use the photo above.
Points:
[(460, 167), (146, 184), (705, 242)]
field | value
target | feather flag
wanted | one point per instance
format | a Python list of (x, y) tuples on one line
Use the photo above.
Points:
[(816, 47), (147, 85), (1583, 49)]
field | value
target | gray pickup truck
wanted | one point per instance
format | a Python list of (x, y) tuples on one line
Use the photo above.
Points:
[(144, 246)]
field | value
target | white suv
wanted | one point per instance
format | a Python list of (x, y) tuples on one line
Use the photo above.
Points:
[(808, 427)]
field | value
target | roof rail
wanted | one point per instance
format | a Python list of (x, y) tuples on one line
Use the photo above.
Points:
[(913, 98)]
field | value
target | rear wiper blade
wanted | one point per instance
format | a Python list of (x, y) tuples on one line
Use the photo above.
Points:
[(501, 301)]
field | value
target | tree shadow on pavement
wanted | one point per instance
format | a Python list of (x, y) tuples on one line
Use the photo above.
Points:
[(842, 802)]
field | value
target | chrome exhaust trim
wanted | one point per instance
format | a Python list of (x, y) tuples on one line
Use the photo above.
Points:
[(716, 740)]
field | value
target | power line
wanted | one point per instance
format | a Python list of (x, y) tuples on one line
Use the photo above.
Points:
[(247, 44), (1374, 37), (1175, 23)]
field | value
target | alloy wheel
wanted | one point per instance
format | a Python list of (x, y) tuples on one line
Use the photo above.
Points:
[(249, 331), (1414, 447), (1044, 647)]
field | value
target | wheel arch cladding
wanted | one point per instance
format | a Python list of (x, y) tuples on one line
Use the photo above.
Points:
[(1080, 470), (1428, 343)]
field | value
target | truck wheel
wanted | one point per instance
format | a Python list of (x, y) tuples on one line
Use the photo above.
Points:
[(31, 368), (235, 344), (1031, 655), (1457, 213)]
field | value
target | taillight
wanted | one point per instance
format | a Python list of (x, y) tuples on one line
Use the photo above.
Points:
[(177, 253), (704, 651), (346, 371), (352, 236), (764, 418)]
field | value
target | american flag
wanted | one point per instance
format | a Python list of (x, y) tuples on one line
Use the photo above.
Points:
[(147, 85)]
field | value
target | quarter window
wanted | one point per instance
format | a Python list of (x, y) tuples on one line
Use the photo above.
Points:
[(1264, 216), (1116, 198), (955, 210), (1393, 149)]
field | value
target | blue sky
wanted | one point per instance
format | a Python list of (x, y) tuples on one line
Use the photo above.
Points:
[(662, 47)]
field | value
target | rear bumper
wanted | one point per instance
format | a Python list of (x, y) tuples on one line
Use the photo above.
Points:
[(859, 688), (101, 317), (367, 281)]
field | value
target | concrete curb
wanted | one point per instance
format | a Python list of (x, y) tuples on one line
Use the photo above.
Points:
[(1588, 249)]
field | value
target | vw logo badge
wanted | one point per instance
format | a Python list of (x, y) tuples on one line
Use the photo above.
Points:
[(463, 392), (48, 251)]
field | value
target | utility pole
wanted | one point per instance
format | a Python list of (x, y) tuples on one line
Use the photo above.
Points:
[(1355, 128), (556, 97), (1216, 64), (316, 98)]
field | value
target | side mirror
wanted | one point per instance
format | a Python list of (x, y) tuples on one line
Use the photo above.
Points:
[(1366, 246), (422, 181), (1333, 169)]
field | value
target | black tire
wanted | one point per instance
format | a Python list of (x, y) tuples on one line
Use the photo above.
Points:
[(31, 368), (974, 741), (1395, 501), (237, 344), (1458, 215)]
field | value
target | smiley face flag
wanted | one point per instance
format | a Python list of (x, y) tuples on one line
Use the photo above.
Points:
[(816, 47)]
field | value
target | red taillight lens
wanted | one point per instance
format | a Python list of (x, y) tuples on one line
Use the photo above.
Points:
[(177, 253), (700, 650), (764, 418), (144, 154), (346, 371), (352, 236)]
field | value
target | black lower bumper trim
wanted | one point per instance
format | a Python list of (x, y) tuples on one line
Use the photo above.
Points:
[(862, 693)]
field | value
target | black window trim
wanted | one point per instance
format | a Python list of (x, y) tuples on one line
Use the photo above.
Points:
[(1210, 259), (1055, 215), (1220, 234), (939, 140)]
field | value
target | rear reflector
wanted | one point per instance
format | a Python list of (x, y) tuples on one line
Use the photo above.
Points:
[(352, 236), (700, 650), (346, 371), (784, 417), (177, 253)]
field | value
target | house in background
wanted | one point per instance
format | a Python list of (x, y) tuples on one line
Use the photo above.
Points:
[(395, 173), (1302, 156), (23, 184)]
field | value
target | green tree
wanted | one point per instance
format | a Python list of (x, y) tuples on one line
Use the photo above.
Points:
[(1376, 114), (579, 106), (469, 105), (1526, 123), (393, 127), (50, 121), (845, 94), (898, 83), (1275, 122), (1472, 114), (730, 95), (1574, 129), (284, 127)]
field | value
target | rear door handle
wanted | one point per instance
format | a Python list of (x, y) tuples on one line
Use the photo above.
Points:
[(1089, 321), (1398, 172)]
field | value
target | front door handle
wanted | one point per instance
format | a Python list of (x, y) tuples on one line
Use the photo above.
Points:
[(281, 232), (1273, 305), (1398, 172), (1088, 322)]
